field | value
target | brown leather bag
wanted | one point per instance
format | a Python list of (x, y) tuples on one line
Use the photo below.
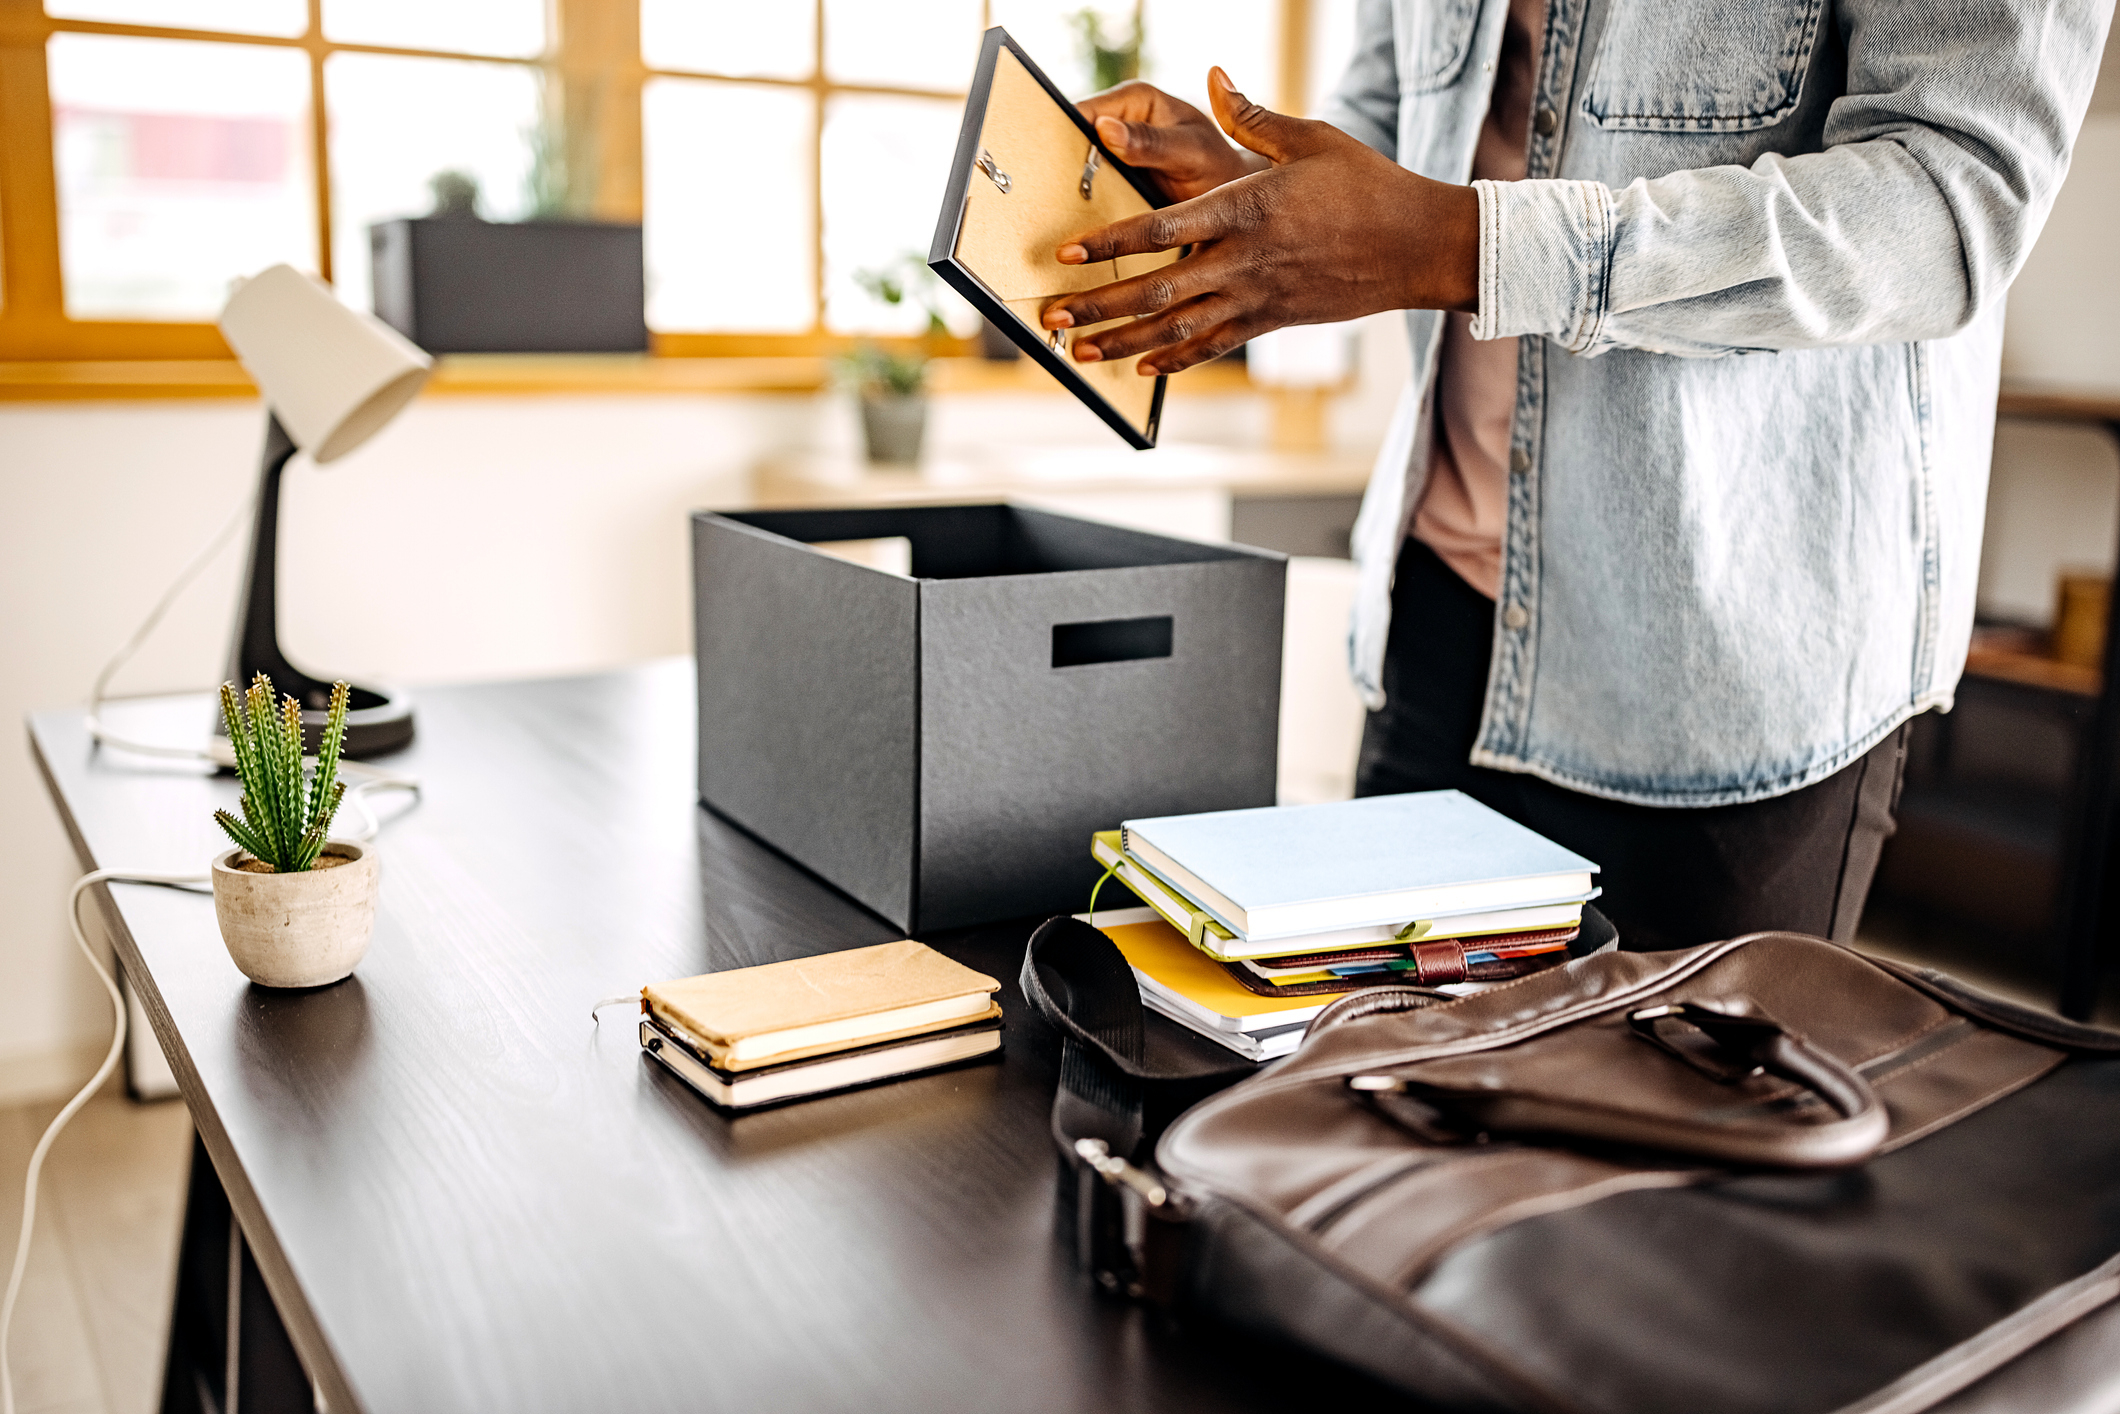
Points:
[(1769, 1174)]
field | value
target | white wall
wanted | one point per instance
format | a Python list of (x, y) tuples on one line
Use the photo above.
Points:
[(2054, 501)]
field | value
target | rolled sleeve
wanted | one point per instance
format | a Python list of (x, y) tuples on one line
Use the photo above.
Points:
[(1545, 260)]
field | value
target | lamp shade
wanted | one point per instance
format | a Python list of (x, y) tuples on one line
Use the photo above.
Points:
[(331, 374)]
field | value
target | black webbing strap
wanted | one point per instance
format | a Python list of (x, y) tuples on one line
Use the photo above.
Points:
[(1106, 1112)]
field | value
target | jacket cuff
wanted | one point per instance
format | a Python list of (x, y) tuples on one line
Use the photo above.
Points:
[(1545, 255)]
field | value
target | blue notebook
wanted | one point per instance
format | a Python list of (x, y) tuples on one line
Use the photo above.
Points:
[(1286, 871)]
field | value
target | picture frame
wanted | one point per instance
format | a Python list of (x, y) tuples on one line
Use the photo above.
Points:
[(996, 252)]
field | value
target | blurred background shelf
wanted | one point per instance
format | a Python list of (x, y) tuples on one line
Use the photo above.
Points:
[(2004, 851)]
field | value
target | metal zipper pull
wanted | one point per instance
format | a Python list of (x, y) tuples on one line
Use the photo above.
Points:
[(1089, 171)]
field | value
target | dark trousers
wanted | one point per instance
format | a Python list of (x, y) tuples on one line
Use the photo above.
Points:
[(1672, 877)]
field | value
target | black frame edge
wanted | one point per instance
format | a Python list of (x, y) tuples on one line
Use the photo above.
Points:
[(942, 250)]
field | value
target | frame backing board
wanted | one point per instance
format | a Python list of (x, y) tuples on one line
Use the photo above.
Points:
[(1030, 173)]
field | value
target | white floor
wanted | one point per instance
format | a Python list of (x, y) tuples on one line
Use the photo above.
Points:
[(93, 1318)]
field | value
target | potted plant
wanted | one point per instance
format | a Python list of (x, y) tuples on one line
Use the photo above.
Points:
[(892, 386), (1112, 58), (296, 909)]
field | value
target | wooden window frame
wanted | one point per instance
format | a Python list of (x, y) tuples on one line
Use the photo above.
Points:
[(592, 63)]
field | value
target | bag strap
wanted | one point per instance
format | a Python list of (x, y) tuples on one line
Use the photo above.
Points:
[(1105, 1109), (2022, 1021)]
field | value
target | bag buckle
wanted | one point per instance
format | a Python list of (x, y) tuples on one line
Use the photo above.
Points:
[(1120, 1174), (1126, 1222)]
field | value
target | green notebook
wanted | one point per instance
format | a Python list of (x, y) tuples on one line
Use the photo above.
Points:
[(1207, 934)]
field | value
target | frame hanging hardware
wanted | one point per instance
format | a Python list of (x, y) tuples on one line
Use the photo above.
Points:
[(1089, 171), (988, 165)]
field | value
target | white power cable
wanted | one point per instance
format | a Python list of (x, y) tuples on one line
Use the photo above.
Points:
[(73, 1106), (132, 645), (357, 793), (218, 751), (369, 780)]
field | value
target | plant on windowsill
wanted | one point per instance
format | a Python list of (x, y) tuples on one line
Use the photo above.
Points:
[(296, 908), (892, 387), (1112, 58)]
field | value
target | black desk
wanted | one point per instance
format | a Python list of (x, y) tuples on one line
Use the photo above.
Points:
[(462, 1196)]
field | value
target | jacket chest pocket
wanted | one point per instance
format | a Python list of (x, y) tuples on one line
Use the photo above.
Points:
[(1435, 36), (1700, 68)]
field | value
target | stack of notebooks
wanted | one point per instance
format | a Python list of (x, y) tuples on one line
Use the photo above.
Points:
[(758, 1035), (1257, 919)]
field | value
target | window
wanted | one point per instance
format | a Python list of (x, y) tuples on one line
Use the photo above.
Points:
[(151, 151)]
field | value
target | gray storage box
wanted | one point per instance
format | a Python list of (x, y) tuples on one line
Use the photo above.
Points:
[(942, 746)]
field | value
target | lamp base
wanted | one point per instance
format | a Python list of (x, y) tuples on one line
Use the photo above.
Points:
[(377, 721)]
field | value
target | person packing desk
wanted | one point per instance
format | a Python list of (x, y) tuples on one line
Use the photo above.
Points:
[(1678, 525)]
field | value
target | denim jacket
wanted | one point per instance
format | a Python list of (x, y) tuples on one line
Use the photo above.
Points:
[(1760, 258)]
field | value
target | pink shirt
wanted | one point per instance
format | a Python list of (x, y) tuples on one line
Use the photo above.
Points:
[(1466, 505)]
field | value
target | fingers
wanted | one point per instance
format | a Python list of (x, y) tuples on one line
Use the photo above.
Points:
[(1273, 135), (1204, 348), (1186, 334), (1141, 144), (1141, 294), (1204, 218), (1138, 102)]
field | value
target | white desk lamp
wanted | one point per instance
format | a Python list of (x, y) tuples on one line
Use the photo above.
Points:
[(331, 377)]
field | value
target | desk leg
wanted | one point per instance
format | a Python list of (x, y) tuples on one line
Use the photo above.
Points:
[(2087, 919), (217, 1365)]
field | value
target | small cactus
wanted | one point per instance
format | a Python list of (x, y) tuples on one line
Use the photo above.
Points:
[(284, 818)]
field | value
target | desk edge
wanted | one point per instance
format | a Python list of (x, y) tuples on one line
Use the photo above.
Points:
[(318, 1359)]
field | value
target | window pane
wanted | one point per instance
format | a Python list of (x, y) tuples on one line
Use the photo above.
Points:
[(236, 16), (776, 41), (917, 44), (1047, 32), (515, 28), (396, 122), (1183, 38), (728, 233), (181, 166), (886, 161)]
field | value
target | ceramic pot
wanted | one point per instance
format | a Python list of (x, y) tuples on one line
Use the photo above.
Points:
[(893, 424), (297, 930)]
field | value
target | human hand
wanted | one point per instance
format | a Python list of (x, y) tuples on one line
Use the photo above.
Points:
[(1173, 141), (1333, 230)]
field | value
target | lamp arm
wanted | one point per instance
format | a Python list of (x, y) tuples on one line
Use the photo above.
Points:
[(380, 720), (257, 642)]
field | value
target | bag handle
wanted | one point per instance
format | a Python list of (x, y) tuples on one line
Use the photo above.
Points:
[(1746, 1043), (1107, 1103)]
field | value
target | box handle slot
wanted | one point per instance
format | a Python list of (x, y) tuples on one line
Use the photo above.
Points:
[(1111, 641)]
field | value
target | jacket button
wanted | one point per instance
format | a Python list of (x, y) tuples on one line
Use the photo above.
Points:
[(1519, 461), (1545, 121), (1514, 617)]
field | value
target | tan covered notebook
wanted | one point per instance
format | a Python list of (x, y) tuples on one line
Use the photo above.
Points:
[(812, 1006), (1029, 174)]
